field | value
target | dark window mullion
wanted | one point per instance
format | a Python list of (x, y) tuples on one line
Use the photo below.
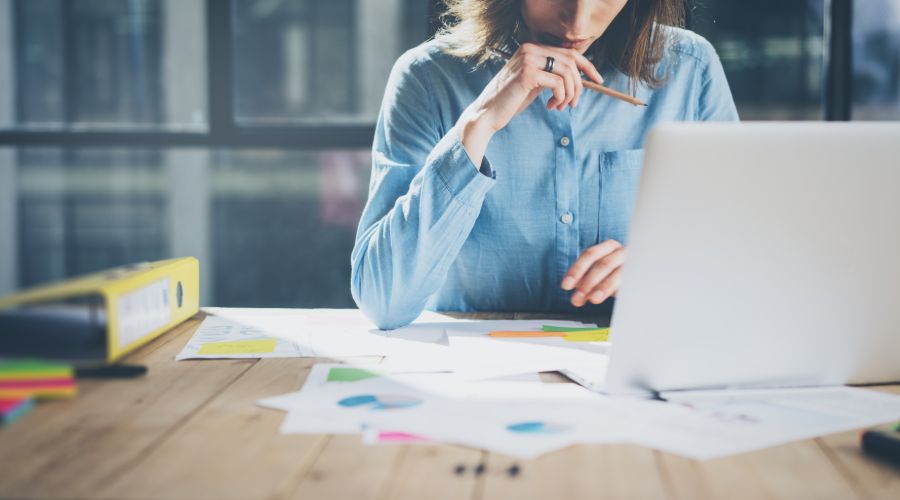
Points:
[(310, 137), (70, 52), (312, 32), (839, 67), (354, 81), (220, 67)]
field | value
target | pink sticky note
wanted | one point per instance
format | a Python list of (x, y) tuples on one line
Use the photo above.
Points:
[(400, 437)]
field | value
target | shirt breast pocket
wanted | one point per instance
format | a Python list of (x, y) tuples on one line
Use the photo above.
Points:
[(620, 173)]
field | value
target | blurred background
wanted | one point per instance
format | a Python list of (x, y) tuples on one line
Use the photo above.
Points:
[(238, 131)]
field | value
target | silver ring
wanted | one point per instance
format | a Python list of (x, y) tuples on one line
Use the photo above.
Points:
[(549, 66)]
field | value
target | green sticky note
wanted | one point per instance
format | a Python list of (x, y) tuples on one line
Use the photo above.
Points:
[(24, 370), (551, 328), (340, 374), (33, 366), (255, 346), (592, 336)]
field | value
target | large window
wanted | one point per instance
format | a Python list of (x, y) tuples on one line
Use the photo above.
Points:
[(235, 131), (95, 64), (238, 130), (773, 53), (315, 61), (271, 227), (876, 60)]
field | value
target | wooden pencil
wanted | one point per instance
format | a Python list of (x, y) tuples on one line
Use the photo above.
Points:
[(613, 93)]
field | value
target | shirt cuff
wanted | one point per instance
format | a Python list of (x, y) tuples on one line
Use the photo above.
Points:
[(459, 175), (486, 169)]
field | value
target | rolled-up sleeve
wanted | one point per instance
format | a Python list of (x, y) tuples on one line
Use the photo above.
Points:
[(425, 195)]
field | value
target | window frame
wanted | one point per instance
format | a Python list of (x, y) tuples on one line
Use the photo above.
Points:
[(223, 131)]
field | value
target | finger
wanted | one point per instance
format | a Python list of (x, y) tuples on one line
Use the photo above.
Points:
[(589, 70), (579, 88), (555, 83), (583, 262), (606, 288), (561, 69), (599, 271), (569, 71), (582, 63), (563, 66)]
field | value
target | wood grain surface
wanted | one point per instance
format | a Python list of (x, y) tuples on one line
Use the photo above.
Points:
[(191, 429)]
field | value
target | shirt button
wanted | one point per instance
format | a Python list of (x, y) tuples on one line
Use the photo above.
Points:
[(566, 218), (564, 141)]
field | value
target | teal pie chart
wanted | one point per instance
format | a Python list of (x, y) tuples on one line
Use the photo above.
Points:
[(537, 427), (380, 402)]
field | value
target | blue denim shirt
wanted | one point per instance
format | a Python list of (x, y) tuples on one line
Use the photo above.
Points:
[(438, 234)]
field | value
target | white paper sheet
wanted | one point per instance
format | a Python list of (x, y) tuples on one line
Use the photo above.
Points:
[(521, 419), (318, 380), (482, 356), (329, 404), (712, 424), (433, 343), (590, 376), (334, 333), (318, 375), (526, 419), (474, 355), (245, 342)]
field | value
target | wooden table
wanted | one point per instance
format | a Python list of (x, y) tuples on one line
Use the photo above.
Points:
[(191, 429)]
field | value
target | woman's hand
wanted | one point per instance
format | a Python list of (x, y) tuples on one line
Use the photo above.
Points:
[(595, 274), (516, 86)]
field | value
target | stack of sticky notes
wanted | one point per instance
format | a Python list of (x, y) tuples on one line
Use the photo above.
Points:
[(22, 382)]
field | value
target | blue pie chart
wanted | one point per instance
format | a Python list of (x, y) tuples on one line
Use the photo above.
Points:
[(536, 427), (380, 402)]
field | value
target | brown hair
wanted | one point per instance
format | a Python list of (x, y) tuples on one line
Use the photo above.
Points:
[(634, 42)]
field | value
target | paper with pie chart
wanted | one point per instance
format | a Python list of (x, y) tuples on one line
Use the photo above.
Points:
[(345, 399), (523, 419), (528, 419)]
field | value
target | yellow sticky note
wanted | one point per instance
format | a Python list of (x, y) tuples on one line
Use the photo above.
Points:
[(591, 336), (255, 346)]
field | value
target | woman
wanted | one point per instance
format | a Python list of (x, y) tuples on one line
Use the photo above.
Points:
[(506, 185)]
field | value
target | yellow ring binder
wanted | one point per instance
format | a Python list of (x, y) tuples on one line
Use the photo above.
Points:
[(101, 316)]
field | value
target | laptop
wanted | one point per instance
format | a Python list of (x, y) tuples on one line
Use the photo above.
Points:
[(761, 255)]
